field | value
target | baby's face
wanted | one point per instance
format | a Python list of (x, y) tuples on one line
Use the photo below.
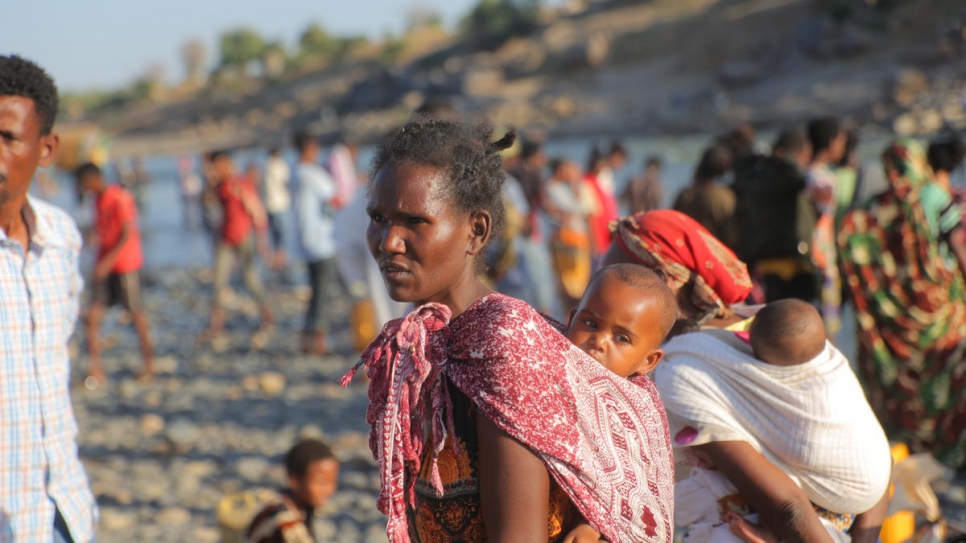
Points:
[(617, 325)]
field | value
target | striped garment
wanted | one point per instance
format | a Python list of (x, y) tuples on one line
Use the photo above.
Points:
[(281, 521), (39, 302)]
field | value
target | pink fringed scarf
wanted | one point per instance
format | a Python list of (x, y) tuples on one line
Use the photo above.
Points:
[(604, 439)]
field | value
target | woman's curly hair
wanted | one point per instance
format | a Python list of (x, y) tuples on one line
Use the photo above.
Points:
[(466, 154)]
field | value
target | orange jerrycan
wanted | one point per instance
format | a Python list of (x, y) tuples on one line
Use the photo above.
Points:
[(899, 526)]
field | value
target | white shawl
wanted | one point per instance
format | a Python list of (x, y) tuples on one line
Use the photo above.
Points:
[(811, 420)]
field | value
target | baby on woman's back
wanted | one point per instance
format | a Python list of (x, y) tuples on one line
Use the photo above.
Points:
[(621, 321), (787, 333), (623, 318), (788, 392)]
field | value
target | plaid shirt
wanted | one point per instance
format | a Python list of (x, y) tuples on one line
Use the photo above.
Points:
[(39, 302)]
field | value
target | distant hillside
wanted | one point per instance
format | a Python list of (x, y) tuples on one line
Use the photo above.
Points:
[(618, 67)]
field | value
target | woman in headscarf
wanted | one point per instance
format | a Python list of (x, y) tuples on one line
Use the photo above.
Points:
[(911, 308), (487, 423), (706, 276), (710, 282)]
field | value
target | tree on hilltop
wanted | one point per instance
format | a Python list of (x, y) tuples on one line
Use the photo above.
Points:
[(315, 42), (492, 22), (194, 54), (392, 48), (273, 59), (240, 47)]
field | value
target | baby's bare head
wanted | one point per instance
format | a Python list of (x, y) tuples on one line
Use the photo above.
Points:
[(623, 318), (649, 284), (787, 333)]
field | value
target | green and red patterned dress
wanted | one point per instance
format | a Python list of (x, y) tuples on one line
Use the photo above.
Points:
[(911, 312)]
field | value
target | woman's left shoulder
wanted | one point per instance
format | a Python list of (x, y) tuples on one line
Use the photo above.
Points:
[(501, 322), (500, 309)]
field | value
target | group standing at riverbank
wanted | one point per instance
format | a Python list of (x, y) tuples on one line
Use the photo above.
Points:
[(494, 421)]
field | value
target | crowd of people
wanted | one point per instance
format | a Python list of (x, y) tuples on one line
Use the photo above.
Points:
[(577, 364)]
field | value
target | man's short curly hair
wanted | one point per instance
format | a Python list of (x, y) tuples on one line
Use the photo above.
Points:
[(21, 77), (466, 154)]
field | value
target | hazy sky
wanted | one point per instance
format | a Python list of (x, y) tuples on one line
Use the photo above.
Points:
[(88, 44)]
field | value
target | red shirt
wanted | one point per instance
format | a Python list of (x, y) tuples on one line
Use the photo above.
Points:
[(115, 207), (238, 222), (606, 213)]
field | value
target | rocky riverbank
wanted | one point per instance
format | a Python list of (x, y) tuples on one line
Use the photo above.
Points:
[(161, 455)]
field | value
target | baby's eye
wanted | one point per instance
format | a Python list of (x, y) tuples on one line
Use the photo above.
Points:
[(621, 338), (589, 323)]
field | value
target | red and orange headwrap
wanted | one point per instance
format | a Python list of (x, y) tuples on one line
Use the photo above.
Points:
[(688, 253)]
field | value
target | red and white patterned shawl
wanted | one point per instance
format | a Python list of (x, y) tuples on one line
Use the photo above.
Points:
[(604, 439)]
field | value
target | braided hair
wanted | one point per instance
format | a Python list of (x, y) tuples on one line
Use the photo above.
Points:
[(464, 152)]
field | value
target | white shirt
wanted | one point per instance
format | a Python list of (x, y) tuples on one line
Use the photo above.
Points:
[(606, 180), (314, 213), (277, 197)]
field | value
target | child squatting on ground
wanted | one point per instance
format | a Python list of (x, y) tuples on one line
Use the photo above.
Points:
[(622, 319), (313, 475)]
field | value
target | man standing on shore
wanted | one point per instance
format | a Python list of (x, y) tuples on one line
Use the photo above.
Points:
[(243, 231), (315, 204), (44, 493)]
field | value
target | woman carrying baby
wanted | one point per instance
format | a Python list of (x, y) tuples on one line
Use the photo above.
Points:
[(751, 432), (487, 423)]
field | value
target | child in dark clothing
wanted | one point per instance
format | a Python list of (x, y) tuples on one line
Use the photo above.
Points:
[(313, 475)]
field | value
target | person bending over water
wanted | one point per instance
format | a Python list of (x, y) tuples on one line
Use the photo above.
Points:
[(487, 423)]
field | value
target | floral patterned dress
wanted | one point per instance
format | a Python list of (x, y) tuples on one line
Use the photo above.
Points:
[(911, 310)]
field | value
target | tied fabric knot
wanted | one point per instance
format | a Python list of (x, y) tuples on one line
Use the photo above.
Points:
[(404, 365)]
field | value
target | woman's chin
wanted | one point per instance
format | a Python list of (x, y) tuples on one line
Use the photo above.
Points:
[(402, 295)]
